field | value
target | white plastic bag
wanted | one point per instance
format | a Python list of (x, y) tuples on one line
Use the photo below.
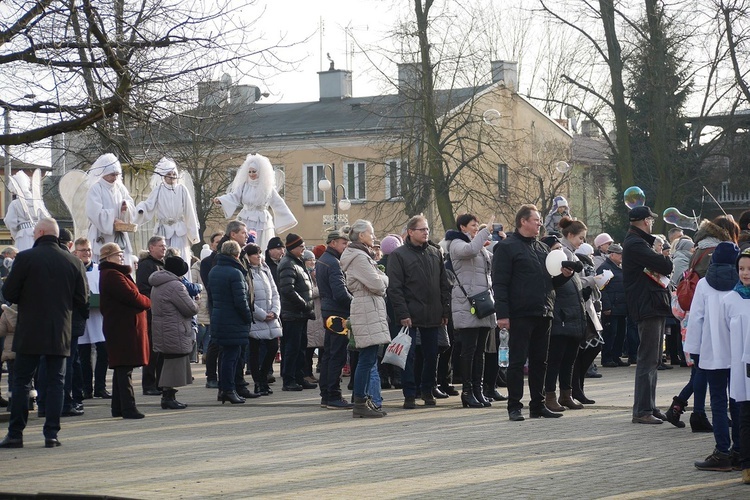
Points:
[(398, 349)]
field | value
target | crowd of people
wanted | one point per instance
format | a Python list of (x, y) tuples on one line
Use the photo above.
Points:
[(541, 293)]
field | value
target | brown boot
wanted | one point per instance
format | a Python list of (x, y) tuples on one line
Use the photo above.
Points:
[(567, 400), (550, 401)]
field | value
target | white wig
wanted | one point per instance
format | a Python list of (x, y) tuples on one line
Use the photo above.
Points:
[(165, 166), (266, 177)]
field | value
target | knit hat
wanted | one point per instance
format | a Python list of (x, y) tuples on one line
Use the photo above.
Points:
[(725, 253), (307, 255), (274, 242), (336, 235), (293, 241), (65, 236), (108, 250), (251, 249), (318, 250), (615, 248), (176, 266), (390, 243), (205, 251), (550, 240), (602, 239), (585, 249)]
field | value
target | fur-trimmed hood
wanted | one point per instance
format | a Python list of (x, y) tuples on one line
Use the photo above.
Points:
[(709, 229), (453, 234)]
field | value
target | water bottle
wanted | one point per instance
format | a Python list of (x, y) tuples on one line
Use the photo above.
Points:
[(502, 349)]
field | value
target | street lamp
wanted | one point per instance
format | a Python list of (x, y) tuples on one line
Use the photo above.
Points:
[(6, 131), (325, 185)]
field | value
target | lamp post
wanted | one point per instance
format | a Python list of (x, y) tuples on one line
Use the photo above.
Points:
[(325, 185)]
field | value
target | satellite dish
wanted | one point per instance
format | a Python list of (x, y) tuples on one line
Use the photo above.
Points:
[(226, 80)]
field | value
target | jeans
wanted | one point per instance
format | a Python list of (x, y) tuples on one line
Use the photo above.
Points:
[(368, 359), (529, 339), (23, 371), (614, 337), (295, 342), (373, 386), (332, 361), (429, 337), (649, 356), (96, 380), (228, 368), (696, 386), (204, 335), (718, 382), (560, 360)]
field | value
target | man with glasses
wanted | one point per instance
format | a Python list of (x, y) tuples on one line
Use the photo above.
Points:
[(420, 294), (643, 271), (154, 261)]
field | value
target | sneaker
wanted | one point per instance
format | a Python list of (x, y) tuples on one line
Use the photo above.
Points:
[(716, 461), (647, 419), (341, 404)]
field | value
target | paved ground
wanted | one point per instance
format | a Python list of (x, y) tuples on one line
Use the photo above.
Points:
[(285, 446)]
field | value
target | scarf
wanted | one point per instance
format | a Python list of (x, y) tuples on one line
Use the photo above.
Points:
[(743, 290)]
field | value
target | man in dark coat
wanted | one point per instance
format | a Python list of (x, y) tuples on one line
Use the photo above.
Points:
[(334, 301), (47, 283), (524, 304), (274, 253), (648, 305), (614, 309), (420, 293), (154, 261)]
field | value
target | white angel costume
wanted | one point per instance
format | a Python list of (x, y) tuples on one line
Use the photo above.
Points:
[(256, 197), (26, 210), (94, 332), (173, 207), (103, 206)]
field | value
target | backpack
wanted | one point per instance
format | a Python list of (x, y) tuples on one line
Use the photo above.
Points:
[(686, 287)]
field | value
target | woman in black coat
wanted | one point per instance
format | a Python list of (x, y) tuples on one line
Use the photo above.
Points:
[(230, 316)]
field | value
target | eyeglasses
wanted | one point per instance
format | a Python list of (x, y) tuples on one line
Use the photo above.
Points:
[(83, 250), (422, 229)]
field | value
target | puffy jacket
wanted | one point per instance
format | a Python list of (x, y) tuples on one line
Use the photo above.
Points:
[(266, 301), (368, 285), (334, 296), (230, 315), (295, 289), (569, 317), (613, 295), (520, 280), (172, 311), (471, 263), (418, 284), (645, 297)]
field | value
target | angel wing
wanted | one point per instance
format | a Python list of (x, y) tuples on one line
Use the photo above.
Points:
[(280, 179), (37, 201), (74, 188), (187, 181), (16, 188)]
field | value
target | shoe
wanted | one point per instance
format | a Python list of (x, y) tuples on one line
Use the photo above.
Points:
[(311, 379), (410, 403), (212, 384), (363, 410), (592, 373), (479, 395), (271, 379), (550, 401), (675, 410), (73, 412), (294, 386), (267, 389), (647, 419), (438, 394), (346, 371), (220, 393), (104, 394), (581, 398), (493, 394), (152, 392), (232, 397), (515, 416), (699, 423), (716, 461), (620, 362), (449, 389), (341, 404), (132, 413), (259, 389), (52, 443), (660, 415), (567, 400), (544, 413), (323, 403), (10, 442), (172, 404), (307, 384), (469, 401), (376, 408), (662, 366), (428, 398), (610, 364), (244, 392)]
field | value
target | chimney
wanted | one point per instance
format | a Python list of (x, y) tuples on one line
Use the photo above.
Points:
[(243, 95), (409, 75), (505, 72), (588, 129), (212, 93), (335, 84)]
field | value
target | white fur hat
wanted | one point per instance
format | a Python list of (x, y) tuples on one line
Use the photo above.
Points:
[(165, 166), (106, 164), (205, 251)]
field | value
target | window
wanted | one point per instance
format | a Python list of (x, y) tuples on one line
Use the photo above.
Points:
[(312, 174), (502, 180), (280, 172), (395, 179), (354, 180)]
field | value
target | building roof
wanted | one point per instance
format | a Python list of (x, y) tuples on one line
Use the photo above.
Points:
[(16, 164), (591, 151)]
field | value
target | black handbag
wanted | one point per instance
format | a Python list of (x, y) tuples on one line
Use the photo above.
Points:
[(482, 304)]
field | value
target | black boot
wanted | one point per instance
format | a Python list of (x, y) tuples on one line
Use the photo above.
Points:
[(478, 394), (230, 396), (675, 410), (168, 401), (468, 399), (699, 423)]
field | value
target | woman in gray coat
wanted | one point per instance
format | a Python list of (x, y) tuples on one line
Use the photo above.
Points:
[(172, 311), (471, 264)]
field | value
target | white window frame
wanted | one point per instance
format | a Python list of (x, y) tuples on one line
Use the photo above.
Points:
[(318, 170), (358, 183), (388, 195)]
